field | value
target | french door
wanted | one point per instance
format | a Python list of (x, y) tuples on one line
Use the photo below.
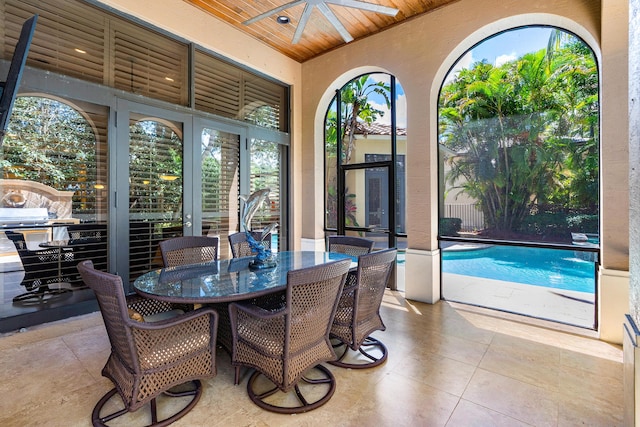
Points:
[(174, 176), (218, 182)]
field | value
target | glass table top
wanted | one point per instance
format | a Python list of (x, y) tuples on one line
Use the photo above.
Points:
[(227, 280)]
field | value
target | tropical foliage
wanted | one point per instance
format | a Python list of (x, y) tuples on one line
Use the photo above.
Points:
[(48, 142), (265, 173), (51, 142), (355, 108), (524, 134)]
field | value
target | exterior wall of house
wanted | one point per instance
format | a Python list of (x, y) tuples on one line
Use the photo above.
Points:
[(356, 183), (419, 54), (184, 20)]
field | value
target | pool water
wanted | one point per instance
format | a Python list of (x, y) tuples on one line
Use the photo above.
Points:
[(553, 268)]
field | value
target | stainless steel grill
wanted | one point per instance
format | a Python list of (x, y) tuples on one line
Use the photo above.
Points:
[(20, 217)]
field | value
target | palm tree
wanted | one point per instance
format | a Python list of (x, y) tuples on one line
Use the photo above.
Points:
[(356, 108), (509, 126)]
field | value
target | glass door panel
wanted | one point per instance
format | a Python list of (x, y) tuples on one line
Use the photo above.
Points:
[(155, 189), (367, 198), (367, 202), (267, 158), (220, 165), (54, 200)]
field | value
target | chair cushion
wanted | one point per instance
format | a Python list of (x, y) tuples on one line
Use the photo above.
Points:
[(134, 315), (164, 315)]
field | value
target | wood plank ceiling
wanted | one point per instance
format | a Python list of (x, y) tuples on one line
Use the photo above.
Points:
[(319, 34)]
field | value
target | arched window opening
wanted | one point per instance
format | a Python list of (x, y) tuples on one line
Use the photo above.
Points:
[(518, 121), (365, 148), (60, 146), (53, 200)]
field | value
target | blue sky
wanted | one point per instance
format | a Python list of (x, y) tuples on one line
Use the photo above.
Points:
[(497, 50), (511, 45), (505, 47)]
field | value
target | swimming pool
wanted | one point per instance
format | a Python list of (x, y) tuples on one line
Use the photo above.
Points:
[(552, 268)]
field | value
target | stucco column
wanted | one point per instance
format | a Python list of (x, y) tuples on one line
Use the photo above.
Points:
[(631, 336), (613, 275)]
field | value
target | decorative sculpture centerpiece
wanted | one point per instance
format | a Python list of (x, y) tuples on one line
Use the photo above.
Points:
[(264, 258)]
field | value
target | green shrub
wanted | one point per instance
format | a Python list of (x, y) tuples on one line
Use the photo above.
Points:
[(450, 226), (583, 223), (545, 224)]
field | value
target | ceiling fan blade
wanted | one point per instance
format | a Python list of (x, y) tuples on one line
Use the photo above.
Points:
[(333, 19), (272, 11), (356, 4), (306, 13)]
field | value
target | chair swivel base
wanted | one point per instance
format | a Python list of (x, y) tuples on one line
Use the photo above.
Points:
[(196, 392), (366, 349), (259, 398)]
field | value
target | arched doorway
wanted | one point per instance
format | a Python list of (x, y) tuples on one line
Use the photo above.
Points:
[(365, 147), (518, 123)]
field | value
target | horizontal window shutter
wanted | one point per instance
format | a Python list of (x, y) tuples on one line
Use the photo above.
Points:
[(150, 64), (82, 41), (220, 178), (263, 101), (62, 28), (217, 86)]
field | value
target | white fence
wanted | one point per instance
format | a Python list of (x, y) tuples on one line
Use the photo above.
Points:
[(472, 218)]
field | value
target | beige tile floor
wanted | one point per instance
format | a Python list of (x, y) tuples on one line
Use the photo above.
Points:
[(449, 365)]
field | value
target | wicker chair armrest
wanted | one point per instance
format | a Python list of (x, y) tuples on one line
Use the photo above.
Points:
[(256, 318), (256, 311), (257, 326), (178, 322), (349, 288)]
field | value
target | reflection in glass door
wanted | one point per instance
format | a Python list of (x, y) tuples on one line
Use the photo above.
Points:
[(268, 159), (377, 184), (220, 165), (367, 198), (155, 189)]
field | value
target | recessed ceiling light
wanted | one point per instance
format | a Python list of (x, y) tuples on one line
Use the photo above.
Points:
[(80, 50), (168, 79), (322, 6)]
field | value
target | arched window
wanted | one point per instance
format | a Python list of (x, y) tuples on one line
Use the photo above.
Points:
[(60, 145), (55, 165), (518, 121), (365, 147)]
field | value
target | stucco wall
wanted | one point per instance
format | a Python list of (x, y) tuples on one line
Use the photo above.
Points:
[(634, 158), (419, 54)]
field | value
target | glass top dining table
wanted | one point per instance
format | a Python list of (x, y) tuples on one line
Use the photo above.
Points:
[(227, 280)]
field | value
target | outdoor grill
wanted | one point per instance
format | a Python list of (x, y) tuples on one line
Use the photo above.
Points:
[(23, 217)]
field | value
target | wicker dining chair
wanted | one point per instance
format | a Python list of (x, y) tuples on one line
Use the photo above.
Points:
[(150, 358), (349, 245), (240, 247), (358, 312), (287, 346), (189, 250), (41, 269)]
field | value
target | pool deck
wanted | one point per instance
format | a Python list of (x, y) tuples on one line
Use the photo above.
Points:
[(568, 307)]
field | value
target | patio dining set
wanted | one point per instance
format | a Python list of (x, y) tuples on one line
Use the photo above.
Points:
[(280, 323)]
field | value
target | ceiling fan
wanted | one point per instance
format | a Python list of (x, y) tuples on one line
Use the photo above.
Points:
[(327, 12)]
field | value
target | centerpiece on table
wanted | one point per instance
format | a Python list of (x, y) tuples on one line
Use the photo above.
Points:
[(264, 257)]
